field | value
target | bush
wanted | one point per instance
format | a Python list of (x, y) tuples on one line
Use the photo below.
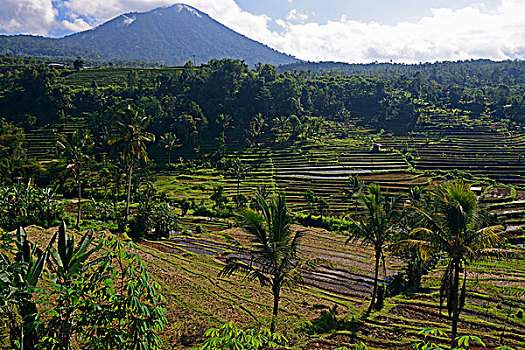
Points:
[(102, 296), (228, 336), (202, 210), (329, 223), (25, 204), (154, 214)]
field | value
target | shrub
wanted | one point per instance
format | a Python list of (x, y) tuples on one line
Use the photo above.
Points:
[(154, 214), (102, 296), (25, 204), (228, 336)]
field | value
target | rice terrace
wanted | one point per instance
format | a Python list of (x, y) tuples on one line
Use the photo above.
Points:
[(245, 198)]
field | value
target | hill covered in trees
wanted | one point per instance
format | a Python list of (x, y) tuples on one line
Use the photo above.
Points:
[(227, 99), (171, 35)]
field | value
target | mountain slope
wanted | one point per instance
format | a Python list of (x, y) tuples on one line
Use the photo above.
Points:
[(169, 35)]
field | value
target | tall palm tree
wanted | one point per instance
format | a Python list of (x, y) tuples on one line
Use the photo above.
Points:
[(130, 140), (381, 214), (170, 141), (239, 170), (453, 224), (271, 254), (76, 154), (353, 188)]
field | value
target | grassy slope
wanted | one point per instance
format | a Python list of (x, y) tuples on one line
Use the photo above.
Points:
[(197, 299)]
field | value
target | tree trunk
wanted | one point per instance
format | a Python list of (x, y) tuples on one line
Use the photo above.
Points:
[(129, 193), (455, 304), (30, 336), (15, 332), (238, 190), (169, 158), (79, 206), (376, 277), (276, 291)]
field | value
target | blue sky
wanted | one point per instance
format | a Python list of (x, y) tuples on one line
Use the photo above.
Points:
[(336, 30), (388, 12)]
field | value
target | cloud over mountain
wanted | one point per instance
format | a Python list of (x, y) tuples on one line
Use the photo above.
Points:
[(445, 34)]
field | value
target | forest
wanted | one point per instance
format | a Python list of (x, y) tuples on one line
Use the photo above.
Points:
[(306, 206)]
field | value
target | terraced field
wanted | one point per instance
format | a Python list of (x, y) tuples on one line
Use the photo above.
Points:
[(188, 266), (481, 147), (496, 294), (324, 167), (42, 143)]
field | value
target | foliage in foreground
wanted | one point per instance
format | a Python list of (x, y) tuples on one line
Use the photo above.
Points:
[(464, 342), (95, 297), (228, 336), (26, 204)]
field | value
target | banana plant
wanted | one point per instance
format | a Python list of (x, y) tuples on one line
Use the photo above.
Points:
[(68, 260), (18, 278)]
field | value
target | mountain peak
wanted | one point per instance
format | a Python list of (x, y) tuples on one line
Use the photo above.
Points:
[(167, 35), (183, 7), (128, 19)]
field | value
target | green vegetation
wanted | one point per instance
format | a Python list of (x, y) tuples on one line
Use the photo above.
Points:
[(87, 301), (381, 216), (228, 336), (388, 160), (454, 225)]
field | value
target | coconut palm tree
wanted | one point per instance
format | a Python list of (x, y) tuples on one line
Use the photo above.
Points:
[(130, 140), (271, 254), (170, 141), (76, 155), (381, 215), (353, 188), (453, 225), (239, 170)]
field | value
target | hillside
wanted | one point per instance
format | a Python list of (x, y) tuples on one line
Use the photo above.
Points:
[(469, 73), (170, 35), (236, 131)]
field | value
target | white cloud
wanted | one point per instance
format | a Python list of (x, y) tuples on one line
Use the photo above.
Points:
[(103, 10), (446, 34), (26, 16), (75, 25), (294, 15)]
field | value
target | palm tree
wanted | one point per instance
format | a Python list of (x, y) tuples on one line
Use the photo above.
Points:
[(170, 141), (453, 224), (130, 140), (76, 154), (354, 186), (271, 256), (239, 170), (381, 214)]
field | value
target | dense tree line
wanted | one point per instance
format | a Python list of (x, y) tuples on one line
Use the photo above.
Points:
[(469, 73), (208, 108), (225, 100)]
